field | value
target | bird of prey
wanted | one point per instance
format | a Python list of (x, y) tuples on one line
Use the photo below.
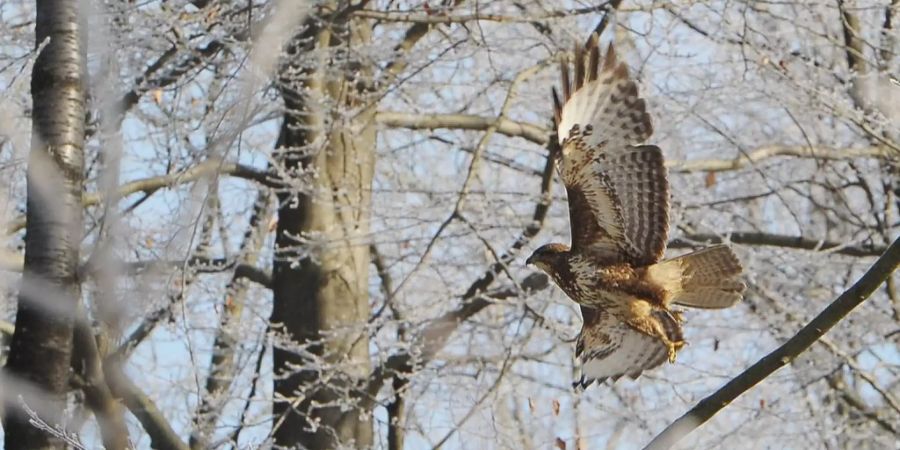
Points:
[(618, 196)]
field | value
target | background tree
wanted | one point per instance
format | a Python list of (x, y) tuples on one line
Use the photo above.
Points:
[(303, 222), (41, 346)]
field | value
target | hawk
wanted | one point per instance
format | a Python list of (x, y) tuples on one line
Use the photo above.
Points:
[(618, 196)]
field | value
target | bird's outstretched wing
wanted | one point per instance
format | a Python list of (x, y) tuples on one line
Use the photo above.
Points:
[(610, 349), (617, 188)]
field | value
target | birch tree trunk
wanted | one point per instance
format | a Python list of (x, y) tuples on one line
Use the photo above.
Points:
[(321, 270), (41, 345)]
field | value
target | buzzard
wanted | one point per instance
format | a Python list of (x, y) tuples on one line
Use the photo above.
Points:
[(619, 215)]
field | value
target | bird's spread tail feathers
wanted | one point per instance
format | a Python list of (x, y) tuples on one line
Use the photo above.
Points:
[(708, 278)]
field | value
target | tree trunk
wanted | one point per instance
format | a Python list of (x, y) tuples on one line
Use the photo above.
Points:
[(41, 345), (321, 270)]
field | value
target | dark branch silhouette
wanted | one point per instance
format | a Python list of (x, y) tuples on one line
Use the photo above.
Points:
[(834, 313)]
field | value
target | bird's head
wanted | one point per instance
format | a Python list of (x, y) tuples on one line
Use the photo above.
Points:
[(546, 256)]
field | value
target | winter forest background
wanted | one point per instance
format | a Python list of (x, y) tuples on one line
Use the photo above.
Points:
[(304, 224)]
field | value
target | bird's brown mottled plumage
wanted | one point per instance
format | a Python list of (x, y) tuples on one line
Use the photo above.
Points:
[(618, 196)]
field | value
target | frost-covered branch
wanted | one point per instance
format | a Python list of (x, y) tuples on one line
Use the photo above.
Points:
[(439, 330), (223, 366), (442, 18), (411, 37), (778, 240), (834, 313), (189, 175), (172, 65), (506, 127), (772, 151), (539, 135)]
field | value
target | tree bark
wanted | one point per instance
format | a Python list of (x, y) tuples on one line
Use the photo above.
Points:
[(321, 270), (41, 345)]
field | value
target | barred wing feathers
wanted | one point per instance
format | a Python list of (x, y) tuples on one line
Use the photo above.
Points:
[(610, 349), (618, 190)]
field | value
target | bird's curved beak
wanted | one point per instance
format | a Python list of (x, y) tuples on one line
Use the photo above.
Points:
[(529, 261)]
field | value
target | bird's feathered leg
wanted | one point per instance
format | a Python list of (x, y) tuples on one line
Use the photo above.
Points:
[(651, 326)]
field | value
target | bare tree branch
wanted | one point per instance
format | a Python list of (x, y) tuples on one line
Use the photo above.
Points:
[(539, 135), (200, 264), (254, 385), (191, 174), (148, 324), (413, 35), (534, 133), (610, 7), (887, 40), (836, 381), (853, 42), (506, 127), (185, 60), (768, 152), (777, 240), (436, 334), (110, 417), (432, 19), (13, 262), (145, 410), (263, 278), (396, 410), (834, 313), (222, 366)]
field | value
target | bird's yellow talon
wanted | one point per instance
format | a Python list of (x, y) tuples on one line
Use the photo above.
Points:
[(673, 349)]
